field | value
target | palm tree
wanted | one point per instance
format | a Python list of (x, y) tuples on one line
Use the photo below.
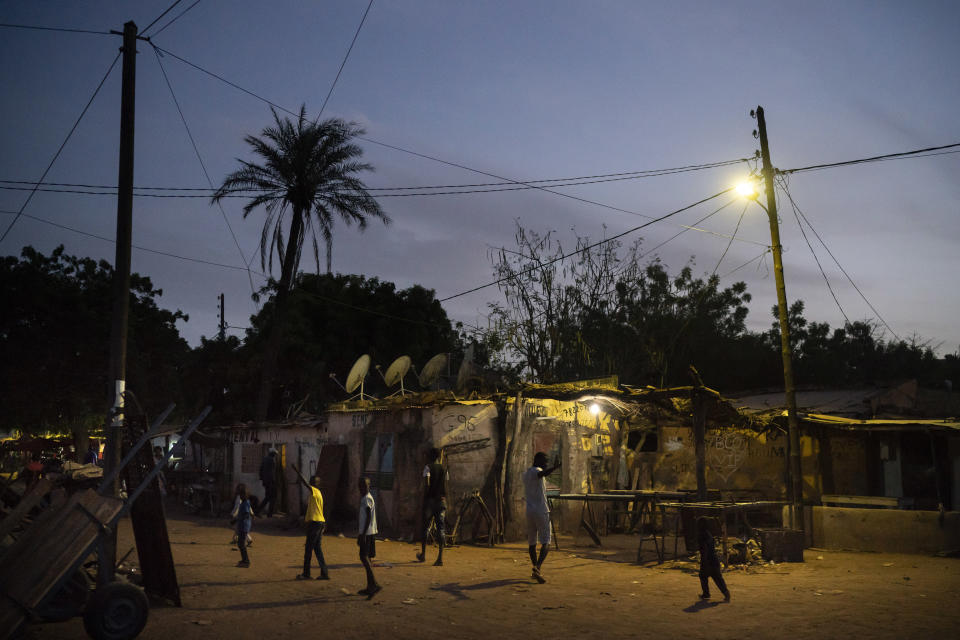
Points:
[(308, 172)]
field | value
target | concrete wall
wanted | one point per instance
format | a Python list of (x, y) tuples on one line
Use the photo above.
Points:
[(886, 530), (469, 428)]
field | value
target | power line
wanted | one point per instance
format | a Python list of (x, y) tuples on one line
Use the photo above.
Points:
[(803, 231), (203, 166), (888, 156), (752, 260), (62, 145), (408, 151), (342, 64), (157, 19), (837, 262), (735, 230), (586, 248), (177, 17), (146, 249), (571, 181), (61, 29)]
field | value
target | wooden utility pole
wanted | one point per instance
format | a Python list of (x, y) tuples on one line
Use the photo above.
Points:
[(699, 406), (794, 470), (121, 267), (223, 322)]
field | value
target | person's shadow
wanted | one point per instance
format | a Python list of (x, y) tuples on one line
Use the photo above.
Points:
[(457, 590), (700, 605)]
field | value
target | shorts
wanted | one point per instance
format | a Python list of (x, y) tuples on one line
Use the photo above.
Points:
[(367, 545), (538, 528)]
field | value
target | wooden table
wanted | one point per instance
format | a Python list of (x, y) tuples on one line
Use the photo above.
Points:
[(723, 510)]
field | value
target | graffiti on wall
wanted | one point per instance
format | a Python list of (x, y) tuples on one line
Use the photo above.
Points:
[(463, 423), (726, 451)]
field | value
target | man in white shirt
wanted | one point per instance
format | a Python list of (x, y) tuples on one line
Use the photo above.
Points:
[(538, 512), (366, 536)]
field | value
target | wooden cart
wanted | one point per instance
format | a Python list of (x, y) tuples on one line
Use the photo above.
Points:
[(42, 574)]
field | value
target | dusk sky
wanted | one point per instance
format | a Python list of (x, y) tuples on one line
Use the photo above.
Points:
[(527, 90)]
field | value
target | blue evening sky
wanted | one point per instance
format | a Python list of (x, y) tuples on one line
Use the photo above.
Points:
[(526, 90)]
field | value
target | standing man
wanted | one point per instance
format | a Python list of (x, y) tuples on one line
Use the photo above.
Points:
[(366, 536), (268, 476), (92, 455), (434, 503), (538, 512), (315, 526)]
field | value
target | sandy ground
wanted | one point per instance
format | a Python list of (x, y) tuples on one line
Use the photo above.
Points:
[(487, 593)]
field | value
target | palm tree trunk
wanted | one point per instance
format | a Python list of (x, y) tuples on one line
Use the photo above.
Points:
[(329, 242), (288, 273)]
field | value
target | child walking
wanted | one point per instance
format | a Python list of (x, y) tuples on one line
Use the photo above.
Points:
[(709, 563), (243, 519), (366, 536)]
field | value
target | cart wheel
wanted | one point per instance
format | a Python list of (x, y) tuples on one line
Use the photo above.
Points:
[(116, 611), (70, 600)]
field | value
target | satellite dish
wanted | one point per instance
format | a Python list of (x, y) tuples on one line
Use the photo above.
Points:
[(396, 372), (431, 371), (358, 372)]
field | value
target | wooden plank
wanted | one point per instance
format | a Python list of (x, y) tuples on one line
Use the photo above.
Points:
[(26, 504), (877, 501)]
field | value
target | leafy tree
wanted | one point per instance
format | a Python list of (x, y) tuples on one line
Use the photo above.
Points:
[(309, 171), (333, 319), (54, 343)]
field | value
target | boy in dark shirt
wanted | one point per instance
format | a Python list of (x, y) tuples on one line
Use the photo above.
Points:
[(709, 563), (434, 503)]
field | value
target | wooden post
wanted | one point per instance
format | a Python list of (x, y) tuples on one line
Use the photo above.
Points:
[(699, 432)]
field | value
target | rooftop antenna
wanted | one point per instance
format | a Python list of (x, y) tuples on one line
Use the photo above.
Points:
[(358, 372), (431, 371), (395, 374)]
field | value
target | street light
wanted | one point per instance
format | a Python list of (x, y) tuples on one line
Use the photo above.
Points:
[(747, 189)]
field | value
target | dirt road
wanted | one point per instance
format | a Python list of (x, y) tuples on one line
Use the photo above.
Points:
[(488, 594)]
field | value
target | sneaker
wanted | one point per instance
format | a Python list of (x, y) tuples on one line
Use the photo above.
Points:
[(249, 541), (245, 565), (438, 563), (420, 557), (323, 576), (303, 576), (364, 592), (374, 590), (704, 596), (726, 597), (538, 576)]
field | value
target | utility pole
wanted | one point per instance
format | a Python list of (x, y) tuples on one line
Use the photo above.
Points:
[(794, 470), (121, 273), (223, 322)]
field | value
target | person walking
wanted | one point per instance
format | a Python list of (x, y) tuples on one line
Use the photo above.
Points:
[(538, 511), (366, 536), (243, 520), (709, 562), (315, 526), (434, 504), (268, 476)]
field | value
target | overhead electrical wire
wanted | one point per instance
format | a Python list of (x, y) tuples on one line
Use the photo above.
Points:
[(571, 181), (138, 247), (587, 247), (143, 33), (175, 18), (60, 29), (342, 64), (816, 258), (62, 145), (888, 156), (751, 260), (408, 151), (837, 262), (203, 166)]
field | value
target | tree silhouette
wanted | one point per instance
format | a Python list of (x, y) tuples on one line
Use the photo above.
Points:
[(307, 173)]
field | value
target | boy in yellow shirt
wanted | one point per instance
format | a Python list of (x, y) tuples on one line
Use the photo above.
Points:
[(315, 526)]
